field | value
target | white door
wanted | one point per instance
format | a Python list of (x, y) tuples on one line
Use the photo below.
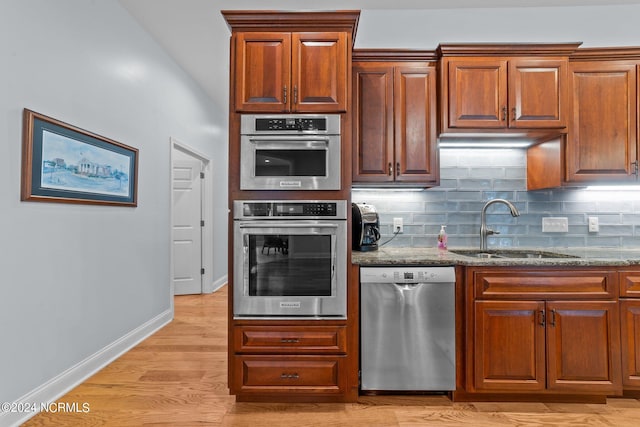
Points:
[(187, 227)]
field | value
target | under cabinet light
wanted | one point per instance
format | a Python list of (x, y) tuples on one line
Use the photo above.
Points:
[(613, 188), (484, 144), (388, 189)]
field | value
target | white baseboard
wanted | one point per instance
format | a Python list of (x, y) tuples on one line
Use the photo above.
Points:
[(67, 380), (217, 284)]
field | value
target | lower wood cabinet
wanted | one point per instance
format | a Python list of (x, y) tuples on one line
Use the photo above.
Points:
[(542, 331), (553, 345), (630, 328), (630, 334), (290, 362)]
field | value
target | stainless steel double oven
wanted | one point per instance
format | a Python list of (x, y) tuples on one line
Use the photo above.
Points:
[(290, 259), (290, 255)]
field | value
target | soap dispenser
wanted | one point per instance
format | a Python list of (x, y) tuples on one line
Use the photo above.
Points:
[(442, 238)]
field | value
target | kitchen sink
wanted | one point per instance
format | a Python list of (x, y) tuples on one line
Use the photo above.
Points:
[(530, 254)]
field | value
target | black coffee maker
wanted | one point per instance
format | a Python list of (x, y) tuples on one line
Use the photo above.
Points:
[(366, 227)]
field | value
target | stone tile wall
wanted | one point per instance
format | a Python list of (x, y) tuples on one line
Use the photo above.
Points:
[(471, 177)]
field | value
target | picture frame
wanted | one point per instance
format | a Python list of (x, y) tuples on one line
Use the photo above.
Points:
[(65, 164)]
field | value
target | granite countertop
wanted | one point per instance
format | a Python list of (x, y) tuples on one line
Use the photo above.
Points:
[(432, 256)]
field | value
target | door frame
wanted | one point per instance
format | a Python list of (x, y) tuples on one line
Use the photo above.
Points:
[(207, 215)]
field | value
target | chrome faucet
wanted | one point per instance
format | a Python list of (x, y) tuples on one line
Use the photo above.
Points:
[(484, 231)]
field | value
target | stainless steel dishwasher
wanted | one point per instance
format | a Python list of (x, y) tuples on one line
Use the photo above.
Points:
[(407, 328)]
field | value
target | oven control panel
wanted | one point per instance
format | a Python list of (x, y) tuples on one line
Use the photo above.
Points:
[(305, 209), (291, 123)]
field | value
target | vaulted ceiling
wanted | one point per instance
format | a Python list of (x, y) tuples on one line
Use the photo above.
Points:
[(187, 29)]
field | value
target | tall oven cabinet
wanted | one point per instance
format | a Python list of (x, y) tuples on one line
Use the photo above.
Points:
[(291, 64)]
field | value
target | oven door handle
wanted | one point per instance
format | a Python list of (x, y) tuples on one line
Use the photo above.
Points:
[(281, 224), (289, 138), (286, 142)]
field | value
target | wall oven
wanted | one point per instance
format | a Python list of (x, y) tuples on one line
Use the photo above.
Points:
[(290, 152), (290, 259)]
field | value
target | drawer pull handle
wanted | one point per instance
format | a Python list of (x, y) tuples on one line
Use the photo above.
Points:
[(286, 376), (290, 340), (543, 318), (553, 317)]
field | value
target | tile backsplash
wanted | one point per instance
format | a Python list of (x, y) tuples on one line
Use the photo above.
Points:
[(471, 177)]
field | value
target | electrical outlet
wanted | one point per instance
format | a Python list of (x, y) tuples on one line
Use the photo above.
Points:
[(555, 224), (397, 225), (594, 226)]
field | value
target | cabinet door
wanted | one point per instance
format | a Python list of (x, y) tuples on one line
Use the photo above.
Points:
[(415, 125), (373, 122), (602, 137), (319, 72), (477, 93), (262, 72), (630, 334), (583, 346), (509, 346), (537, 93)]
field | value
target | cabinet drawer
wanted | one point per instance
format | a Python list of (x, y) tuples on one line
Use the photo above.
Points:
[(630, 284), (290, 374), (544, 284), (289, 339)]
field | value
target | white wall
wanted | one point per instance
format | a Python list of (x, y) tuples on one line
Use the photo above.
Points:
[(425, 29), (77, 278)]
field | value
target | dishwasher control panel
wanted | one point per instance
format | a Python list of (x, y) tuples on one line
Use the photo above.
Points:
[(399, 274)]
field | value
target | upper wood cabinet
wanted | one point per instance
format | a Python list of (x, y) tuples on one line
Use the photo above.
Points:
[(517, 93), (394, 116), (296, 62), (497, 87), (296, 72), (602, 143)]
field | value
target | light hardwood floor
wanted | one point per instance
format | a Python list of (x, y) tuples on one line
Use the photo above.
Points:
[(178, 377)]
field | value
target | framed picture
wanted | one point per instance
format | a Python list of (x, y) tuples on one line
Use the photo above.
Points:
[(62, 163)]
